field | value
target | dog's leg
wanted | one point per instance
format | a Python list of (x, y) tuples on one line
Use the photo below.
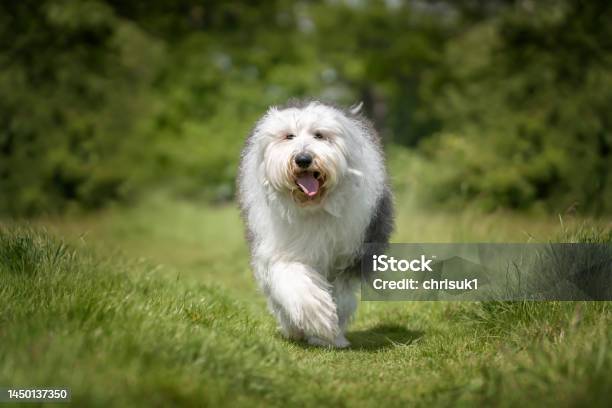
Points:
[(344, 295), (287, 328), (303, 300)]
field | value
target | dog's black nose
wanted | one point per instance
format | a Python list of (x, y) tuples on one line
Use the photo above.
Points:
[(303, 160)]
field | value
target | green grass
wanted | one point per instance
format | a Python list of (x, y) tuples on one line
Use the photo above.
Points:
[(156, 306)]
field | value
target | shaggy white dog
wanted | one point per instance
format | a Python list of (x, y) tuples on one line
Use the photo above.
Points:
[(313, 190)]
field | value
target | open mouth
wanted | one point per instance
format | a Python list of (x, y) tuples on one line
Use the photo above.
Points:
[(309, 182)]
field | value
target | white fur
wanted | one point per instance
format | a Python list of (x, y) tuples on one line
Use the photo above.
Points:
[(300, 251)]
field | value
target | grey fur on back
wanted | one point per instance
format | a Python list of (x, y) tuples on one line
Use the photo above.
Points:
[(378, 232), (382, 224)]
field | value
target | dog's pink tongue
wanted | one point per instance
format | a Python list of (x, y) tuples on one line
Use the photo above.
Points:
[(309, 184)]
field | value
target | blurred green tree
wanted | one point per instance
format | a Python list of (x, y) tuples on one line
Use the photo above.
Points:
[(503, 103), (523, 99), (73, 78)]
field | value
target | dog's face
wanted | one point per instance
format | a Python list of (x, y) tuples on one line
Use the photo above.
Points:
[(305, 151)]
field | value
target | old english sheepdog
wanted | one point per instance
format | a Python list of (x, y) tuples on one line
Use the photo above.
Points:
[(313, 190)]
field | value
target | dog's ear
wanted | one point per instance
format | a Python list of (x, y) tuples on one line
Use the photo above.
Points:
[(356, 109)]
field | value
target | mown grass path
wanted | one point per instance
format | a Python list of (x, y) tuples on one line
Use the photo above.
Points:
[(155, 306)]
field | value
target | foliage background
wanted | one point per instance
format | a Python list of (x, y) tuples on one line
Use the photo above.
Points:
[(501, 104)]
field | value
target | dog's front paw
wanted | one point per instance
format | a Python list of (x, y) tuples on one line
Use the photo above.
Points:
[(339, 342), (314, 312), (302, 300)]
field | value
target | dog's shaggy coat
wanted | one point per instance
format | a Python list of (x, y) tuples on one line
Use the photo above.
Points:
[(313, 190)]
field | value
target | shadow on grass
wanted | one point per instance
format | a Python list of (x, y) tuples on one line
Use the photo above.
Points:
[(376, 338), (382, 336)]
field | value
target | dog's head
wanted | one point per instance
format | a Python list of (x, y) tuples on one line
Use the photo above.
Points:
[(308, 150)]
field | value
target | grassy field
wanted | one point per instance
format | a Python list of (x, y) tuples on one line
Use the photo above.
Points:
[(156, 306)]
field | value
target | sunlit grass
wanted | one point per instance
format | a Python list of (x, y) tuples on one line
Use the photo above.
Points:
[(155, 305)]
